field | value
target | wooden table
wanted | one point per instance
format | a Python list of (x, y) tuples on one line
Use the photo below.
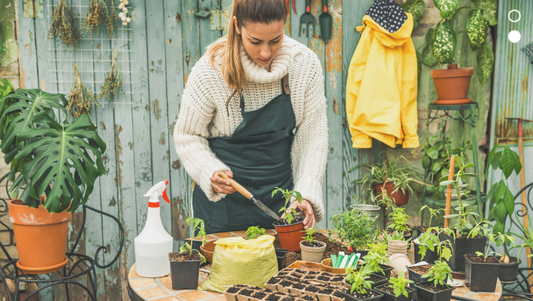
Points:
[(160, 289)]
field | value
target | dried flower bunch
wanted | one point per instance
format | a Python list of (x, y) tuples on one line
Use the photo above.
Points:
[(101, 14), (124, 16), (65, 26), (80, 98), (113, 83)]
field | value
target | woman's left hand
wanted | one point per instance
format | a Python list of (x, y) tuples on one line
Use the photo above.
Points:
[(307, 208)]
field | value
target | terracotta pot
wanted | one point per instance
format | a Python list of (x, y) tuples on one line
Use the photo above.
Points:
[(452, 83), (312, 254), (207, 250), (290, 236), (399, 197), (41, 237)]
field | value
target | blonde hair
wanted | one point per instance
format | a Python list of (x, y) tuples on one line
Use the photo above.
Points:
[(229, 46)]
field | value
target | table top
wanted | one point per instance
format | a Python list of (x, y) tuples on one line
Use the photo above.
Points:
[(160, 289)]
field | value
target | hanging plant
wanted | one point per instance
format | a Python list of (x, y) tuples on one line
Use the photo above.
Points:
[(124, 16), (80, 98), (113, 83), (101, 15), (65, 26)]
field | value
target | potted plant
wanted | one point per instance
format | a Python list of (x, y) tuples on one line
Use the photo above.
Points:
[(430, 247), (312, 250), (481, 269), (376, 260), (435, 289), (452, 84), (185, 266), (289, 228), (433, 213), (354, 229), (254, 232), (361, 286), (399, 223), (397, 289), (53, 169), (388, 182)]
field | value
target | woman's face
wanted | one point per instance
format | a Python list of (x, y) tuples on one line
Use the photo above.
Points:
[(261, 41)]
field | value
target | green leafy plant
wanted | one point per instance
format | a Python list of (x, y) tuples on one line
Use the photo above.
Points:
[(47, 157), (398, 284), (197, 225), (287, 195), (399, 220), (358, 278), (494, 238), (353, 226), (441, 41), (186, 248), (309, 235), (254, 232), (430, 240), (439, 273), (376, 255), (386, 237), (433, 213)]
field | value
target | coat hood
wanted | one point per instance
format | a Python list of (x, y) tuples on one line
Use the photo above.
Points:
[(387, 39)]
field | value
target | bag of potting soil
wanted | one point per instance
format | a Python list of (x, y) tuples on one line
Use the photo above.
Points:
[(239, 261)]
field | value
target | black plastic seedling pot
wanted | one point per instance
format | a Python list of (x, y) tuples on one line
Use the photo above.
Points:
[(382, 280), (391, 297), (184, 274), (417, 278), (349, 297), (386, 271), (462, 246), (481, 277), (426, 295), (281, 254), (430, 257), (509, 271)]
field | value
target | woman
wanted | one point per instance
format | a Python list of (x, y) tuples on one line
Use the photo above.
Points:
[(254, 108)]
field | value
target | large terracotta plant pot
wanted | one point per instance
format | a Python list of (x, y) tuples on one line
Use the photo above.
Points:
[(452, 84), (399, 197), (41, 237)]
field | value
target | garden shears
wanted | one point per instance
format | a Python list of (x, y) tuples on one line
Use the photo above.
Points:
[(293, 7)]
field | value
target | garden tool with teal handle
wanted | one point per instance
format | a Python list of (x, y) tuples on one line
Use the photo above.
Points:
[(325, 21), (307, 18)]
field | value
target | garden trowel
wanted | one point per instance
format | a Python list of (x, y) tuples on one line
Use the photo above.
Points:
[(249, 196), (325, 21)]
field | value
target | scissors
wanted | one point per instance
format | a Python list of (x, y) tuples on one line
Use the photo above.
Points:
[(293, 7)]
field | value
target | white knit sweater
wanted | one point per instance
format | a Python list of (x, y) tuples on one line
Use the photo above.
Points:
[(203, 115)]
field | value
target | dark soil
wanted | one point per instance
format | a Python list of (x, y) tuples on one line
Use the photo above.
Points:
[(375, 278), (387, 289), (370, 294), (307, 297), (422, 269), (233, 289), (431, 287), (336, 279), (273, 298), (423, 229), (313, 244), (246, 292), (406, 232), (299, 271), (274, 280), (338, 294), (293, 279), (323, 278), (313, 273), (184, 256), (479, 259), (282, 222), (309, 277), (298, 286), (259, 295), (327, 291), (285, 283), (288, 299), (284, 273), (312, 289)]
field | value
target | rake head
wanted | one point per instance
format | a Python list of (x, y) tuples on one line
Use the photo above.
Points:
[(528, 49)]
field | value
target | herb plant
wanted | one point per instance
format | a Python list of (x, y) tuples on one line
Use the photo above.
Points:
[(359, 280), (433, 213), (431, 240), (439, 273), (398, 220), (376, 255), (254, 232), (81, 98), (287, 195), (398, 284), (386, 237), (498, 239), (198, 224), (113, 83), (101, 15), (353, 226), (309, 235), (65, 26)]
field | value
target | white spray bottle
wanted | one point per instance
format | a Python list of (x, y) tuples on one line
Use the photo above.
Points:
[(154, 243)]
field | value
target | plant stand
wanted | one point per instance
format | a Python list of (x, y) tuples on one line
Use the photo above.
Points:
[(467, 114)]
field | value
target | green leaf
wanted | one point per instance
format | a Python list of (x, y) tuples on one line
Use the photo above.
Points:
[(427, 56), (498, 228), (446, 7), (509, 202), (431, 188), (439, 145), (490, 158), (508, 161), (516, 159), (446, 183), (444, 43), (425, 162), (485, 61), (432, 152), (435, 167), (459, 161), (429, 35), (489, 8), (416, 8), (476, 28), (500, 212)]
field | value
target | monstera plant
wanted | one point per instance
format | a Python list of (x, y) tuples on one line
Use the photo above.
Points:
[(53, 167)]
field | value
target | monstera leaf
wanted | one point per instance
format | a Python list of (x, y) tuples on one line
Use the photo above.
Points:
[(485, 62), (60, 162), (444, 43), (415, 8), (489, 9), (476, 28), (446, 7)]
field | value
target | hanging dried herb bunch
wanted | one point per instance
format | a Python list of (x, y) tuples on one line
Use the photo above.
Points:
[(113, 83), (80, 98), (65, 26), (101, 15)]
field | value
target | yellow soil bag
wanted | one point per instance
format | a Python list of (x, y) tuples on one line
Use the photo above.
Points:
[(239, 261)]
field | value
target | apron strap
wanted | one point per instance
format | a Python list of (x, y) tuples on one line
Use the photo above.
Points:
[(229, 98)]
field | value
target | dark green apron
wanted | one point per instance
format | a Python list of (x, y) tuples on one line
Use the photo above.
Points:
[(259, 155)]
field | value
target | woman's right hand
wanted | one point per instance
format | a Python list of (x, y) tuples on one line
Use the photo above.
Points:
[(221, 185)]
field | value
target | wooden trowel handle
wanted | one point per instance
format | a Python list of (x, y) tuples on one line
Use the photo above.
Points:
[(236, 186)]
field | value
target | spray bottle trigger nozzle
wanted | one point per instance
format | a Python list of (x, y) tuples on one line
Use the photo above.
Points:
[(165, 196)]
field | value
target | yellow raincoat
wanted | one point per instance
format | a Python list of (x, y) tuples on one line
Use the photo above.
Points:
[(381, 87)]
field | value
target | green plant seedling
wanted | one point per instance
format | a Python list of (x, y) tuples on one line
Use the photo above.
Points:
[(198, 224), (376, 255), (254, 232), (433, 213), (492, 238), (359, 280), (287, 195), (399, 283), (309, 235), (431, 240), (354, 227), (386, 237), (399, 220), (187, 248), (439, 273)]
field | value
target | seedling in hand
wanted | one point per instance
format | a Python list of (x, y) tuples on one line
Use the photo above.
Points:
[(398, 285), (287, 194), (254, 232)]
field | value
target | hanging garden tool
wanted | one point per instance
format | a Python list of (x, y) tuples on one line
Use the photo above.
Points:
[(528, 49), (101, 15), (307, 18), (293, 7), (325, 21), (65, 26), (113, 83), (80, 98)]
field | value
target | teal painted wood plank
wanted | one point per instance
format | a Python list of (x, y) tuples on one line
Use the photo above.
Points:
[(191, 33), (295, 23), (226, 6), (158, 99), (207, 36), (27, 48)]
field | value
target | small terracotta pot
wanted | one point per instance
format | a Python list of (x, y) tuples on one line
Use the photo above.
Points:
[(396, 247), (41, 237), (399, 262), (208, 250), (312, 254), (452, 83), (399, 197), (290, 236)]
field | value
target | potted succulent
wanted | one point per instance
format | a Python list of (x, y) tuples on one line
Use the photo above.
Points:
[(452, 84), (435, 289), (289, 228), (185, 266), (361, 286), (354, 228), (397, 289), (312, 250), (53, 169), (389, 182)]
